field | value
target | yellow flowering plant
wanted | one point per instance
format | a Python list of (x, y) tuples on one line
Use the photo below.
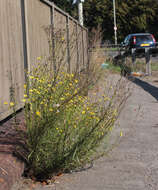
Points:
[(65, 125), (64, 128)]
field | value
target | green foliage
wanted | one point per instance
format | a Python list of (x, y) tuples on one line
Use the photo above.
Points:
[(132, 16), (135, 16), (67, 6)]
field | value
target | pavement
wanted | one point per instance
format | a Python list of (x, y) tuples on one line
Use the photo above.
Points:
[(133, 162)]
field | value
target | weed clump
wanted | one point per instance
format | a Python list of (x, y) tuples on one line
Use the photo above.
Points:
[(64, 128)]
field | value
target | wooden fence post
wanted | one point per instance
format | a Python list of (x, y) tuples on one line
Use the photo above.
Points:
[(68, 44), (24, 37), (77, 66), (52, 36)]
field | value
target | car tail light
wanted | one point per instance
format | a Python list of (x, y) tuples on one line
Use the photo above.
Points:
[(153, 39), (134, 40)]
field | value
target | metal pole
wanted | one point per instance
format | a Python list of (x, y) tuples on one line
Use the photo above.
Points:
[(115, 27), (148, 63), (80, 12), (133, 53)]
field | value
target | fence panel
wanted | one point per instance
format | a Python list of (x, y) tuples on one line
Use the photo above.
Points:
[(11, 59), (23, 38), (61, 46), (38, 18), (73, 45)]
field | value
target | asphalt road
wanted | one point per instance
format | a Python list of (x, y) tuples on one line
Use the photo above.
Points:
[(133, 163)]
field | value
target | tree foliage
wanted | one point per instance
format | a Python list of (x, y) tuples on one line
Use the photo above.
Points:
[(131, 15)]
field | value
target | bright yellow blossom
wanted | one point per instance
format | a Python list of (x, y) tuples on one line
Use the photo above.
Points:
[(83, 112), (38, 113), (39, 58), (30, 90), (31, 77), (5, 103), (12, 104)]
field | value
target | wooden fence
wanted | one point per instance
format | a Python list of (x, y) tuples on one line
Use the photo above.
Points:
[(23, 38)]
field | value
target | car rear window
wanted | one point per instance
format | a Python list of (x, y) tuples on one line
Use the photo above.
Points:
[(144, 38)]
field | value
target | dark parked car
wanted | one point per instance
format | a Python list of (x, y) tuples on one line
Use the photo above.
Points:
[(139, 41)]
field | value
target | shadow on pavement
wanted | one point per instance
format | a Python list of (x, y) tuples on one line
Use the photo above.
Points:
[(147, 87)]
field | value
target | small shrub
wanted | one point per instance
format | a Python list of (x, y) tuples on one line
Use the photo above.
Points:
[(64, 128)]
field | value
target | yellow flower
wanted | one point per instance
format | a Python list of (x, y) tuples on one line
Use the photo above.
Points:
[(75, 91), (5, 103), (67, 94), (25, 95), (60, 82), (38, 113), (12, 104), (110, 129), (51, 109), (62, 98), (37, 92), (39, 58), (31, 77), (115, 112), (62, 39), (30, 90), (76, 81), (107, 99), (121, 134), (83, 112), (25, 86), (23, 100)]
